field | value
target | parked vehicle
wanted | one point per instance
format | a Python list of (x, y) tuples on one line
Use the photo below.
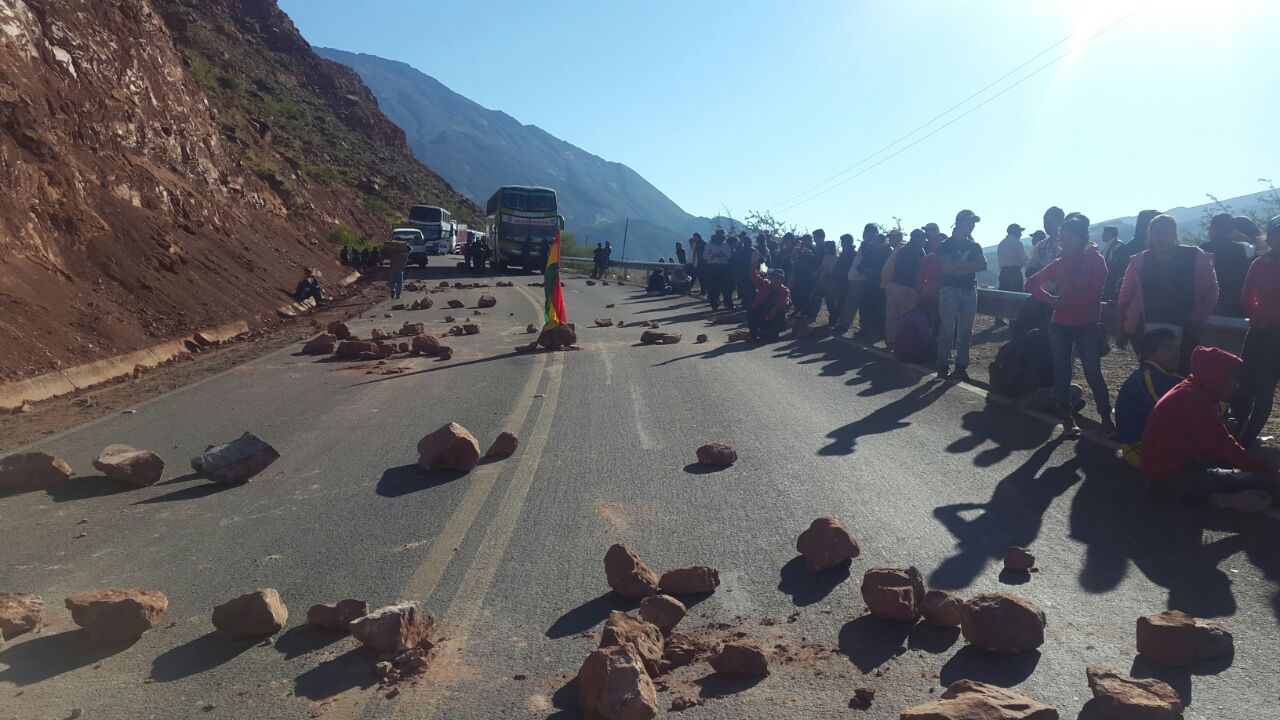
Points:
[(413, 237), (437, 226)]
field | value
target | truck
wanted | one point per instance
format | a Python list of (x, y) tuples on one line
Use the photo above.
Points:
[(438, 229)]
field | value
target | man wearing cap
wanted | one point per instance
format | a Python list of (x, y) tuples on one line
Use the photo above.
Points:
[(899, 279), (962, 259), (1011, 256), (767, 315), (1261, 303), (1230, 263)]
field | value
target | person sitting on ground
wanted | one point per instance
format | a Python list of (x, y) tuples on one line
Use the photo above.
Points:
[(1189, 453), (1154, 377), (309, 287), (680, 280), (767, 316), (657, 284)]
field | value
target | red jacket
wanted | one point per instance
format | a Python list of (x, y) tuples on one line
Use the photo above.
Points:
[(781, 297), (1081, 277), (930, 275), (1186, 429), (1204, 287), (1261, 296)]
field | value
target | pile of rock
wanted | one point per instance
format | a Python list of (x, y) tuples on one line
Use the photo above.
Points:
[(453, 447)]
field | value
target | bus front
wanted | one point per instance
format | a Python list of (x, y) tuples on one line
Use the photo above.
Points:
[(527, 220)]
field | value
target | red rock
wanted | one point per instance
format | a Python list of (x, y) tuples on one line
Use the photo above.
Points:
[(738, 335), (402, 347), (339, 330), (559, 336), (741, 657), (662, 610), (1175, 638), (115, 614), (353, 349), (452, 447), (893, 593), (826, 544), (503, 446), (395, 628), (456, 304), (654, 337), (681, 651), (399, 306), (1002, 622), (471, 329), (127, 464), (942, 608), (237, 461), (690, 581), (1019, 559), (671, 338), (591, 282), (32, 471), (973, 700), (701, 339), (717, 454), (613, 685), (603, 322), (322, 344), (628, 575), (486, 301), (531, 328), (1120, 697), (256, 614), (337, 616), (425, 345), (444, 352), (413, 329), (378, 334), (645, 638), (20, 613)]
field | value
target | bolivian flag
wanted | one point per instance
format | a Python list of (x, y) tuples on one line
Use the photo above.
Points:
[(554, 309)]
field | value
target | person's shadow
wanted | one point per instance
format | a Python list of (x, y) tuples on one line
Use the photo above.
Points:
[(1005, 429), (884, 419)]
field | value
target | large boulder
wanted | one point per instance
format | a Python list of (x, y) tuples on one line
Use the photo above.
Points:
[(322, 344), (826, 544), (252, 615), (973, 700), (643, 637), (1120, 697), (339, 330), (237, 461), (562, 335), (741, 657), (662, 610), (452, 447), (1175, 638), (942, 608), (116, 614), (1002, 622), (337, 616), (356, 349), (628, 575), (394, 628), (127, 464), (32, 471), (503, 446), (690, 581), (613, 685), (486, 301), (425, 345), (20, 613), (717, 453), (893, 593)]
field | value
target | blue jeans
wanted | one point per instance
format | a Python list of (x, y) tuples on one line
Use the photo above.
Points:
[(395, 281), (1197, 483), (1084, 338), (957, 307)]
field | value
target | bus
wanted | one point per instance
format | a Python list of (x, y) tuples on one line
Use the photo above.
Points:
[(521, 223), (437, 228)]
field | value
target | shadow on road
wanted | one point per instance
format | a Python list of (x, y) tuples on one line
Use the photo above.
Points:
[(565, 701), (190, 492), (438, 365), (204, 653), (1006, 429), (844, 439), (46, 656), (1005, 670), (305, 639), (83, 488), (932, 639), (807, 588), (588, 615), (406, 479), (697, 468), (352, 669), (716, 685), (870, 642)]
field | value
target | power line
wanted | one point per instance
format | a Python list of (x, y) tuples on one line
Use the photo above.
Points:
[(792, 205)]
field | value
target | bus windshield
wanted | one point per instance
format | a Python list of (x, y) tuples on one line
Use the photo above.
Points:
[(529, 200), (424, 213)]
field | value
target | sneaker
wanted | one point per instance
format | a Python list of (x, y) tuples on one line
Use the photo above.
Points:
[(1243, 501), (961, 375)]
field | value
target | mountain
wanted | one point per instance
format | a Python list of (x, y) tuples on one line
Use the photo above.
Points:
[(174, 164), (1192, 220), (478, 150)]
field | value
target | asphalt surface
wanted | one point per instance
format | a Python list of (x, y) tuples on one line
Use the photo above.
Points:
[(508, 557)]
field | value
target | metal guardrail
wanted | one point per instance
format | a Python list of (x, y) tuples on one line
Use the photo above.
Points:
[(1223, 332)]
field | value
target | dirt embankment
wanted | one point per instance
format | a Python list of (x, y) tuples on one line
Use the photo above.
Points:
[(173, 164)]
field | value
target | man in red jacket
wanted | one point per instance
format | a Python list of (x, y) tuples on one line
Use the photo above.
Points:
[(1187, 450), (767, 315)]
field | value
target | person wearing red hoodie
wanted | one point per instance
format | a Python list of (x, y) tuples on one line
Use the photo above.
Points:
[(1080, 274), (1188, 452), (767, 315)]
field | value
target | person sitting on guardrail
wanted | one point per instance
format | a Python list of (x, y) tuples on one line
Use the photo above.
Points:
[(1168, 285), (1080, 274), (767, 315), (1261, 303), (1139, 394), (1189, 453)]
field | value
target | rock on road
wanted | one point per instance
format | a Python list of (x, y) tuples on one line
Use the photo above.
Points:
[(508, 556)]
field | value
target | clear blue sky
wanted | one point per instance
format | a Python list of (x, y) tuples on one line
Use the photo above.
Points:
[(742, 104)]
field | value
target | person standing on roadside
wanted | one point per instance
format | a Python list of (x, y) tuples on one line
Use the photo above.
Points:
[(744, 258), (857, 281), (762, 250), (1047, 250), (1141, 228), (716, 279), (1012, 257), (840, 279), (1261, 304), (1230, 263), (608, 257), (1168, 285), (961, 259), (1116, 255), (899, 279), (397, 259), (696, 246), (1080, 274), (597, 261)]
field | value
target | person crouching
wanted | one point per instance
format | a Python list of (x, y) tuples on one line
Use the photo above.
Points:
[(767, 316)]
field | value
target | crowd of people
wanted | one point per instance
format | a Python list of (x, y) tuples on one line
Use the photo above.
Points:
[(1188, 415)]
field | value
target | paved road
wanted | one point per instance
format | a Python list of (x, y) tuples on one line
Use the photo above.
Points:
[(509, 556)]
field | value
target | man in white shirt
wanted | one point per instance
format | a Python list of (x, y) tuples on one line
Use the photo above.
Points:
[(1011, 256)]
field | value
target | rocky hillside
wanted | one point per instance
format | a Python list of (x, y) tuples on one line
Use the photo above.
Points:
[(172, 164), (478, 150)]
